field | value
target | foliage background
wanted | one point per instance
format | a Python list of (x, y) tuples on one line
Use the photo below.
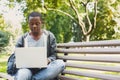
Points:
[(60, 18)]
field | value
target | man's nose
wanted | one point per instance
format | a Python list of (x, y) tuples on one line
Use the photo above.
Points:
[(34, 26)]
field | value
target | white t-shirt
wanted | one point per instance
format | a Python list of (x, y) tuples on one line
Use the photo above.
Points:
[(30, 42)]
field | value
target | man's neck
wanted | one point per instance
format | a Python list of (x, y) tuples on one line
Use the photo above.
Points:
[(36, 36)]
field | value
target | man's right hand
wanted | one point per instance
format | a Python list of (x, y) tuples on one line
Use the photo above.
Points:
[(12, 78)]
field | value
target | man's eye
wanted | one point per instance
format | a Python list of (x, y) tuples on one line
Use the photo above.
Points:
[(37, 23), (31, 23)]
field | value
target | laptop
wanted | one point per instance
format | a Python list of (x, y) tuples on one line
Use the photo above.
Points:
[(31, 57)]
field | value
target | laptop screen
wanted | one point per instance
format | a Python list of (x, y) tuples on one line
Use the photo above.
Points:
[(31, 57)]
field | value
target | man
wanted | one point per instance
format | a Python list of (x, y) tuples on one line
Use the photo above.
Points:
[(35, 38)]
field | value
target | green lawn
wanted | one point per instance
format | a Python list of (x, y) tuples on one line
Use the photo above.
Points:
[(3, 62)]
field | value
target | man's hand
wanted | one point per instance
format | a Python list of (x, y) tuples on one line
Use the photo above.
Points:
[(48, 60), (12, 78)]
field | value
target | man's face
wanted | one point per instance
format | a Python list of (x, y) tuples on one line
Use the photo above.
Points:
[(35, 25)]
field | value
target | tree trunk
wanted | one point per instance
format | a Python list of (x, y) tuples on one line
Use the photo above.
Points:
[(87, 38)]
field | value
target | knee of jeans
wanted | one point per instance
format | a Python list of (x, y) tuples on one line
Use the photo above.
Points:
[(24, 72), (39, 78), (61, 63)]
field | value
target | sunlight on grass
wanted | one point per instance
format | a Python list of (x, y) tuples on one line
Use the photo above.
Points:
[(3, 66), (3, 62)]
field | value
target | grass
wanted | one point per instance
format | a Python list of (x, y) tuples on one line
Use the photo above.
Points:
[(3, 62)]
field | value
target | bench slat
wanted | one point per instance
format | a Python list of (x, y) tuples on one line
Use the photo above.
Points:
[(93, 74), (94, 67), (97, 51), (67, 78), (90, 50), (113, 59), (91, 44)]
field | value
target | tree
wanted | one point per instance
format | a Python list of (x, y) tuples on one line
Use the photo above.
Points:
[(81, 15), (84, 21), (4, 36), (4, 40), (106, 20), (73, 11), (58, 25), (9, 23), (55, 22)]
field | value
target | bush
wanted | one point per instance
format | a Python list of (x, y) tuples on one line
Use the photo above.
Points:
[(4, 39)]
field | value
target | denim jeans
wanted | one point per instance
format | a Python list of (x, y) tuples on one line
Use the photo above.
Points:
[(49, 73)]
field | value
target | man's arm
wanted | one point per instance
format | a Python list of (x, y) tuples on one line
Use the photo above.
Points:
[(11, 66), (52, 46), (20, 42)]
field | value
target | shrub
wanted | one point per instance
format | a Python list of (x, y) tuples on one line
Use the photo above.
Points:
[(4, 39)]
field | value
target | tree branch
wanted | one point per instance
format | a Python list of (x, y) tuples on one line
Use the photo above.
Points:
[(88, 19), (81, 23), (65, 13), (95, 15), (91, 27), (67, 3), (88, 1), (83, 3)]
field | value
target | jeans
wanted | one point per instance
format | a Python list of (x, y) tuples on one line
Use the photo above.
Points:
[(49, 73)]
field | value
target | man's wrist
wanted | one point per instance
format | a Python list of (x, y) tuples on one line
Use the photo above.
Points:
[(49, 60)]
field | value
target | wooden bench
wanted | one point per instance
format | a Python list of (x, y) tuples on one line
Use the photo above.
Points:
[(94, 59)]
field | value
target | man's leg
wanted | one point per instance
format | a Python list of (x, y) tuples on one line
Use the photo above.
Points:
[(52, 71), (23, 74)]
